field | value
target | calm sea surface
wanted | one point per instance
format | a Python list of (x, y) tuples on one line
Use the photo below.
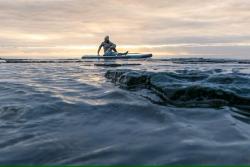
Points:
[(69, 113)]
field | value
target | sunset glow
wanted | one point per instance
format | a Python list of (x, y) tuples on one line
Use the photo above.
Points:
[(32, 28)]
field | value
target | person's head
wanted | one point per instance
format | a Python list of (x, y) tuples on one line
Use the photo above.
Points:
[(106, 39)]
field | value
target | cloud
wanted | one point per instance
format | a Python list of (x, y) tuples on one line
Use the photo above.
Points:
[(52, 23)]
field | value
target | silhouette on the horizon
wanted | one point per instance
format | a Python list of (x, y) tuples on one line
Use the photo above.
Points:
[(109, 48)]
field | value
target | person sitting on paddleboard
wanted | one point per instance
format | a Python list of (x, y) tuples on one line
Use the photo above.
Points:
[(109, 48)]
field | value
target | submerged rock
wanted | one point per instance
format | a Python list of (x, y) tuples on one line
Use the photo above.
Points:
[(114, 75), (180, 91), (133, 79), (128, 78)]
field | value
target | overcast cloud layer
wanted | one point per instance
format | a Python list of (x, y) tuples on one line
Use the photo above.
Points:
[(166, 27)]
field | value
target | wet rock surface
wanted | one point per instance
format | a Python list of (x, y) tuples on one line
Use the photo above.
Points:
[(128, 78), (185, 88)]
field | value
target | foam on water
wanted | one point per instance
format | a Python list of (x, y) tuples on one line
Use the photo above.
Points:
[(69, 113)]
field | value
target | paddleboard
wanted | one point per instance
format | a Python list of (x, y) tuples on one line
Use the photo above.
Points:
[(128, 56)]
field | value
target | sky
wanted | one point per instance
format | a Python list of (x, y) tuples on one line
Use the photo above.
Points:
[(72, 28)]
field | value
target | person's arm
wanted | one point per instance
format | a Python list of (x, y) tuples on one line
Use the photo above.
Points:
[(99, 49), (113, 45)]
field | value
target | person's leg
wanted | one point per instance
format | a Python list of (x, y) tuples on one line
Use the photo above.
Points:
[(106, 53), (122, 54), (116, 53), (114, 49), (110, 53)]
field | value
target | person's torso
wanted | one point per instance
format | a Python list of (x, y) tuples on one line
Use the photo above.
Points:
[(106, 45)]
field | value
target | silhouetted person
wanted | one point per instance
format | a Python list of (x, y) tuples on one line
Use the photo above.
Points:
[(109, 48)]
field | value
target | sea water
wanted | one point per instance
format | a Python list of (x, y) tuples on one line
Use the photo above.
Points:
[(70, 113)]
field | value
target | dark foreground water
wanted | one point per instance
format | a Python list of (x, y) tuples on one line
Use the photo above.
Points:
[(69, 113)]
